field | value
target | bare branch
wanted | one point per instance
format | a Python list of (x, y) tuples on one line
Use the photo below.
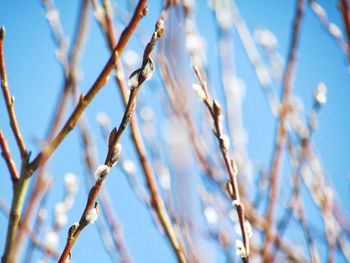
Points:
[(10, 101)]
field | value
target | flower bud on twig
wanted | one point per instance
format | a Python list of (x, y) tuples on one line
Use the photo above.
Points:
[(72, 230), (199, 91), (2, 33), (133, 81), (217, 108), (147, 71), (116, 154), (240, 249), (92, 214), (102, 172), (320, 94)]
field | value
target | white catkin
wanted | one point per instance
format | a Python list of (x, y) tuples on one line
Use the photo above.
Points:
[(211, 215), (240, 249), (199, 91), (129, 166), (148, 70), (320, 95), (71, 183), (101, 172), (91, 215)]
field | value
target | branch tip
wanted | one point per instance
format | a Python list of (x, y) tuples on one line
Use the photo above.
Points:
[(2, 33)]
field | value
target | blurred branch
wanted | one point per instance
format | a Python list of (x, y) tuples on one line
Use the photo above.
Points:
[(330, 27), (281, 130), (69, 67), (232, 186)]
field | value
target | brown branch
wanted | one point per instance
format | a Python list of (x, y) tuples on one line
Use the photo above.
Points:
[(156, 199), (106, 205), (10, 101), (281, 131), (8, 158), (232, 186), (113, 153)]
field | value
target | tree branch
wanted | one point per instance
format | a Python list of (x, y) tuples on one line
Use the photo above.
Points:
[(10, 101)]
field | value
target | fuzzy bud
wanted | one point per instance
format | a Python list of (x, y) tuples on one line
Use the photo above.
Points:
[(133, 81), (217, 108), (2, 33), (199, 91), (240, 249), (101, 172), (72, 230), (102, 119), (248, 229), (318, 9), (164, 179), (320, 94), (236, 203), (129, 167), (160, 27), (225, 141), (116, 154), (71, 183), (148, 69), (51, 240), (211, 215), (60, 215), (334, 30), (265, 38), (92, 214)]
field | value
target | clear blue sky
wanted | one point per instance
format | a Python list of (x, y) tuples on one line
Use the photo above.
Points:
[(35, 79)]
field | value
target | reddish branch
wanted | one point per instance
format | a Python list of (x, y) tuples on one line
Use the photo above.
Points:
[(8, 100), (156, 199), (106, 205), (8, 158), (114, 139), (281, 131), (232, 186)]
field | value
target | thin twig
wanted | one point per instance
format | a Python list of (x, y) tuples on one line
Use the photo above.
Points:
[(216, 113), (8, 158), (106, 206), (156, 199), (113, 153), (10, 101), (281, 131)]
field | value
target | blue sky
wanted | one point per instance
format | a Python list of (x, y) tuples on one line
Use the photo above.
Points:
[(35, 79)]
